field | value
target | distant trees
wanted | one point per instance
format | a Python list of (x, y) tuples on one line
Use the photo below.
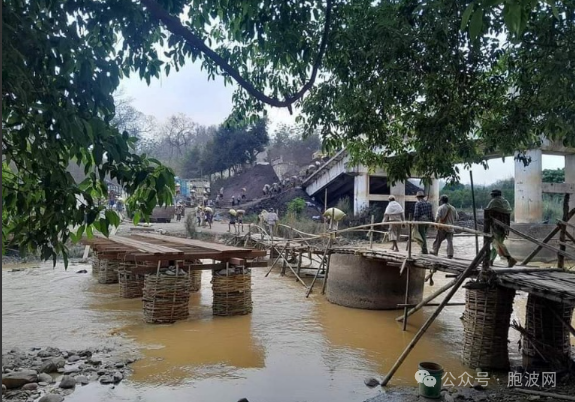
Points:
[(554, 175), (290, 143), (233, 147), (189, 148), (460, 195)]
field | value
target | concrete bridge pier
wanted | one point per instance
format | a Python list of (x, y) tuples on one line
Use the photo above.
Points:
[(528, 189), (361, 191), (570, 176), (358, 282)]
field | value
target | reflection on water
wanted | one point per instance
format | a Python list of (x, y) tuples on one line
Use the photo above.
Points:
[(290, 349)]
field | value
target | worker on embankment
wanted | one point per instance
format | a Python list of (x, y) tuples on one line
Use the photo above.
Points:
[(240, 216), (499, 209), (272, 220), (232, 221)]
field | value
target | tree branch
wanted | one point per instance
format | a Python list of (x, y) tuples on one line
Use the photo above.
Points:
[(175, 26)]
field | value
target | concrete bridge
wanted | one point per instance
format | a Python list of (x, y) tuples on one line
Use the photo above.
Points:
[(365, 188)]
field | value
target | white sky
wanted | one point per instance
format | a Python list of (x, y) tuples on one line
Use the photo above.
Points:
[(210, 102)]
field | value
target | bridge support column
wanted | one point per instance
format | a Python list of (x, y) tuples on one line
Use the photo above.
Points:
[(360, 193), (528, 189), (433, 193), (547, 335), (486, 327), (398, 191), (570, 176), (358, 282)]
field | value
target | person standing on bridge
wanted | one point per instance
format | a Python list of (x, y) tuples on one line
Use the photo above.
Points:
[(447, 215), (393, 213), (272, 220), (423, 213), (499, 209)]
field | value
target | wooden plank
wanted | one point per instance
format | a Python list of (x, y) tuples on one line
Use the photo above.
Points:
[(213, 246), (558, 188), (144, 247), (237, 261)]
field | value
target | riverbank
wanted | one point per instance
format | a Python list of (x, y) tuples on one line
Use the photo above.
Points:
[(50, 374)]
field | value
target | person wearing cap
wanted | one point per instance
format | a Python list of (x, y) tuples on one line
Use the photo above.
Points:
[(499, 209), (393, 213), (423, 213), (447, 215)]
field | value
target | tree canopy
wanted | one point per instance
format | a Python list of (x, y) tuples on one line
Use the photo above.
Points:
[(389, 78)]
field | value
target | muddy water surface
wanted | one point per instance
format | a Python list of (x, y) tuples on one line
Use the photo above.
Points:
[(290, 349)]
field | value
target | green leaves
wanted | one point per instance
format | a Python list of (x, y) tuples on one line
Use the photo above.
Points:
[(58, 75), (476, 24)]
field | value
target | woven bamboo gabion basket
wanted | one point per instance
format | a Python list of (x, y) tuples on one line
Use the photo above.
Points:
[(166, 298), (131, 284), (486, 327), (546, 334), (232, 294), (195, 281), (108, 272), (95, 266)]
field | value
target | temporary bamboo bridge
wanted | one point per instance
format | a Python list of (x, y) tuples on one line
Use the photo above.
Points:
[(551, 285)]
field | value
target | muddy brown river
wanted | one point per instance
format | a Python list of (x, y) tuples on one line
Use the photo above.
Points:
[(289, 349)]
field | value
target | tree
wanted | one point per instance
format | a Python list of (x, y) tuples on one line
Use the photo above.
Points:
[(191, 165), (179, 133), (254, 140), (293, 145), (58, 76), (128, 118), (398, 79), (554, 175)]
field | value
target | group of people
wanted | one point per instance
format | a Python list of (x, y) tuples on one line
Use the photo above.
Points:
[(446, 215)]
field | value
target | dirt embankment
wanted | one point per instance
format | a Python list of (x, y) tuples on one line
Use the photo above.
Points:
[(253, 180), (279, 202)]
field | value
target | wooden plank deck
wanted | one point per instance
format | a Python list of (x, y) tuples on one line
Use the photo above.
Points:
[(154, 248), (556, 285), (553, 284)]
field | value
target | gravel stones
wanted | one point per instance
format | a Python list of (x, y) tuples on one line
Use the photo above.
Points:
[(67, 382), (16, 379), (51, 398)]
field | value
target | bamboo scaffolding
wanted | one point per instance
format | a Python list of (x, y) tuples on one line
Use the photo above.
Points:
[(327, 247), (531, 239), (563, 232), (473, 265), (429, 298), (539, 247)]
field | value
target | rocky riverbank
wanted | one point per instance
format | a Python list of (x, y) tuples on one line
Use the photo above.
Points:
[(498, 392), (50, 374)]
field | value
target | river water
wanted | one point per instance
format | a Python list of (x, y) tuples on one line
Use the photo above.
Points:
[(289, 349)]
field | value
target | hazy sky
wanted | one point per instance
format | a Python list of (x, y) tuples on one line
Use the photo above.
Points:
[(210, 102)]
